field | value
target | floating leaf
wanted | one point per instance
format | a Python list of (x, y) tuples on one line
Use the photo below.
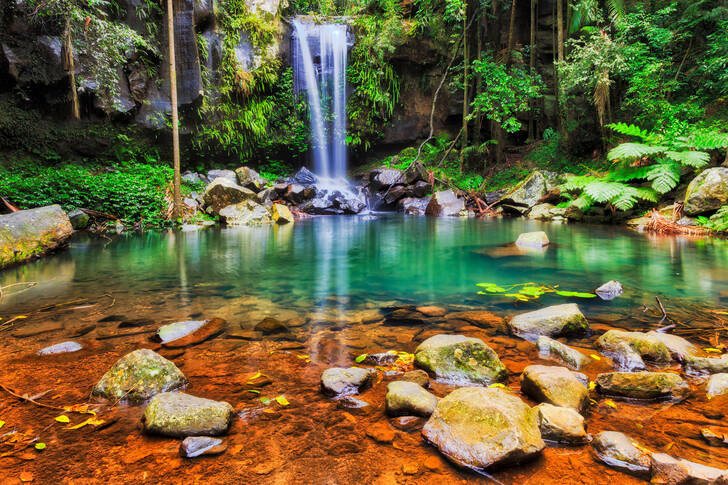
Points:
[(575, 294), (93, 421), (710, 349), (595, 357), (257, 374), (360, 358), (610, 403), (26, 477), (269, 411), (21, 316), (304, 357), (265, 400), (254, 391), (2, 423), (63, 419), (40, 446), (282, 400), (592, 385), (497, 384)]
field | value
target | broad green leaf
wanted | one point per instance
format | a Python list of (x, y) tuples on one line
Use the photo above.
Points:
[(360, 358), (576, 294), (40, 446)]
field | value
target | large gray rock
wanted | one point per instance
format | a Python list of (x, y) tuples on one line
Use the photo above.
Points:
[(446, 203), (552, 321), (529, 192), (138, 376), (61, 348), (554, 385), (460, 360), (79, 219), (409, 399), (536, 239), (717, 385), (706, 365), (476, 427), (413, 206), (571, 357), (180, 415), (707, 192), (383, 178), (626, 359), (679, 347), (642, 385), (618, 451), (541, 212), (223, 192), (560, 424), (609, 290), (250, 179), (666, 470), (29, 234), (647, 346), (338, 381), (246, 213)]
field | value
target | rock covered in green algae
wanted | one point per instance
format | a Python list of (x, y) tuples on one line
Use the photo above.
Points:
[(460, 360), (706, 365), (138, 376), (552, 321), (618, 450), (642, 385), (31, 233), (338, 381), (679, 347), (536, 239), (666, 470), (528, 193), (560, 424), (647, 346), (245, 213), (717, 385), (409, 399), (180, 415), (479, 427), (571, 357), (706, 192), (223, 192), (554, 385)]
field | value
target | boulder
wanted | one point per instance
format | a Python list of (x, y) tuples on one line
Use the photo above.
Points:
[(416, 172), (246, 213), (138, 376), (182, 334), (180, 415), (194, 446), (304, 177), (61, 348), (194, 178), (707, 192), (281, 214), (382, 178), (536, 239), (528, 193), (626, 359), (476, 427), (418, 376), (446, 203), (647, 346), (717, 385), (618, 451), (609, 290), (554, 385), (571, 357), (223, 192), (270, 325), (409, 399), (552, 321), (679, 347), (706, 365), (460, 360), (560, 424), (79, 219), (413, 206), (666, 470), (28, 234), (338, 381), (394, 194), (250, 179), (541, 212), (226, 174), (642, 385), (419, 189), (297, 194)]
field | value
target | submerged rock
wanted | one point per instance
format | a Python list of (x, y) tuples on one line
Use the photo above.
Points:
[(28, 234), (571, 357), (541, 212), (460, 360), (627, 359), (537, 239), (407, 398), (281, 214), (554, 385), (717, 385), (246, 213), (338, 381), (446, 203), (138, 376), (61, 348), (476, 427), (250, 179), (417, 376), (182, 334), (271, 325), (706, 365), (557, 320), (642, 385), (180, 415), (647, 346), (224, 192), (560, 424), (667, 470), (616, 450), (381, 358), (609, 290), (707, 192), (194, 446)]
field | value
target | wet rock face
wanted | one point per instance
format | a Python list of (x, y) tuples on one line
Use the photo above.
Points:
[(626, 359), (332, 201), (476, 427), (182, 334), (706, 365), (417, 376), (250, 179), (609, 290), (28, 234), (560, 424), (541, 212), (529, 192), (79, 219), (537, 239), (571, 357), (61, 348), (383, 178), (706, 192), (557, 320), (138, 376), (554, 385), (667, 470), (717, 385), (409, 399), (338, 381), (642, 385), (460, 360), (413, 206), (180, 415), (446, 203), (616, 450), (281, 214), (646, 346), (246, 213), (223, 192)]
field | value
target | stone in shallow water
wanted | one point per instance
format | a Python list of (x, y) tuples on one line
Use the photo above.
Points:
[(706, 365), (713, 438), (182, 334), (571, 357), (679, 347), (417, 376), (627, 359), (281, 214), (460, 360), (432, 311), (271, 325), (563, 425), (554, 385), (647, 346), (609, 290), (139, 375), (642, 385), (617, 450), (672, 471), (446, 203), (194, 446), (381, 358), (224, 192), (536, 239), (552, 321), (476, 427), (180, 415), (338, 381), (717, 385), (408, 398), (61, 348)]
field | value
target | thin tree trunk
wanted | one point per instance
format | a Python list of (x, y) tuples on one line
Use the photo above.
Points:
[(177, 208), (71, 69), (466, 62), (560, 58), (511, 28), (477, 83), (532, 68)]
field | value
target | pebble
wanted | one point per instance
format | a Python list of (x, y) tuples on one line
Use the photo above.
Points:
[(194, 446)]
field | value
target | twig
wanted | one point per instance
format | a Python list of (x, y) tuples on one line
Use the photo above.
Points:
[(30, 399), (664, 313), (126, 393)]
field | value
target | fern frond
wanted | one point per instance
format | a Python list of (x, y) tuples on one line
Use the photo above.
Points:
[(646, 193), (664, 176), (582, 202), (629, 151), (629, 130), (690, 158), (576, 182), (708, 140), (627, 173), (601, 191)]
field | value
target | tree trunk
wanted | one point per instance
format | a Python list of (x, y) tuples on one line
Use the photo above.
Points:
[(70, 67), (511, 28), (177, 208), (478, 81), (466, 62), (560, 58), (532, 68)]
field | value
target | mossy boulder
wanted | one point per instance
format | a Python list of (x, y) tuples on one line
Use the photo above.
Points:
[(541, 212), (642, 385), (460, 360), (529, 192), (409, 399), (446, 203), (245, 213), (138, 376), (281, 214), (707, 192), (180, 415), (626, 359), (706, 365), (223, 192), (555, 349), (79, 219), (647, 346), (679, 347), (552, 321), (339, 381), (618, 451), (560, 424), (717, 385), (554, 385), (29, 234), (250, 179), (477, 427)]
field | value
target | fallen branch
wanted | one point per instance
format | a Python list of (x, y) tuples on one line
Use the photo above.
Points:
[(101, 215), (30, 399), (664, 313)]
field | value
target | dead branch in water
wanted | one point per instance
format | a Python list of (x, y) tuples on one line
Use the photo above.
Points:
[(31, 399), (662, 225)]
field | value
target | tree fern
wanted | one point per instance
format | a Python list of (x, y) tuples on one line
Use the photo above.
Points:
[(631, 151), (664, 176), (602, 191)]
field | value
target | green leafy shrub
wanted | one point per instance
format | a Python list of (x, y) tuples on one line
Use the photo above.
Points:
[(716, 222)]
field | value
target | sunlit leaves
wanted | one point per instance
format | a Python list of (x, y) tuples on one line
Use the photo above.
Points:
[(575, 294), (63, 419), (40, 446), (628, 151), (360, 358), (528, 291)]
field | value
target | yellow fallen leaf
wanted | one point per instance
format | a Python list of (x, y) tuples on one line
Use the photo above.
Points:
[(257, 374), (497, 384), (93, 421), (2, 423), (610, 403), (711, 349), (641, 448), (269, 411), (668, 446), (303, 356), (709, 397), (63, 419), (595, 357), (282, 400), (592, 402), (638, 425), (592, 385), (21, 317)]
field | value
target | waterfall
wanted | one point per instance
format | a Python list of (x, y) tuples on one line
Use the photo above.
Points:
[(319, 69)]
